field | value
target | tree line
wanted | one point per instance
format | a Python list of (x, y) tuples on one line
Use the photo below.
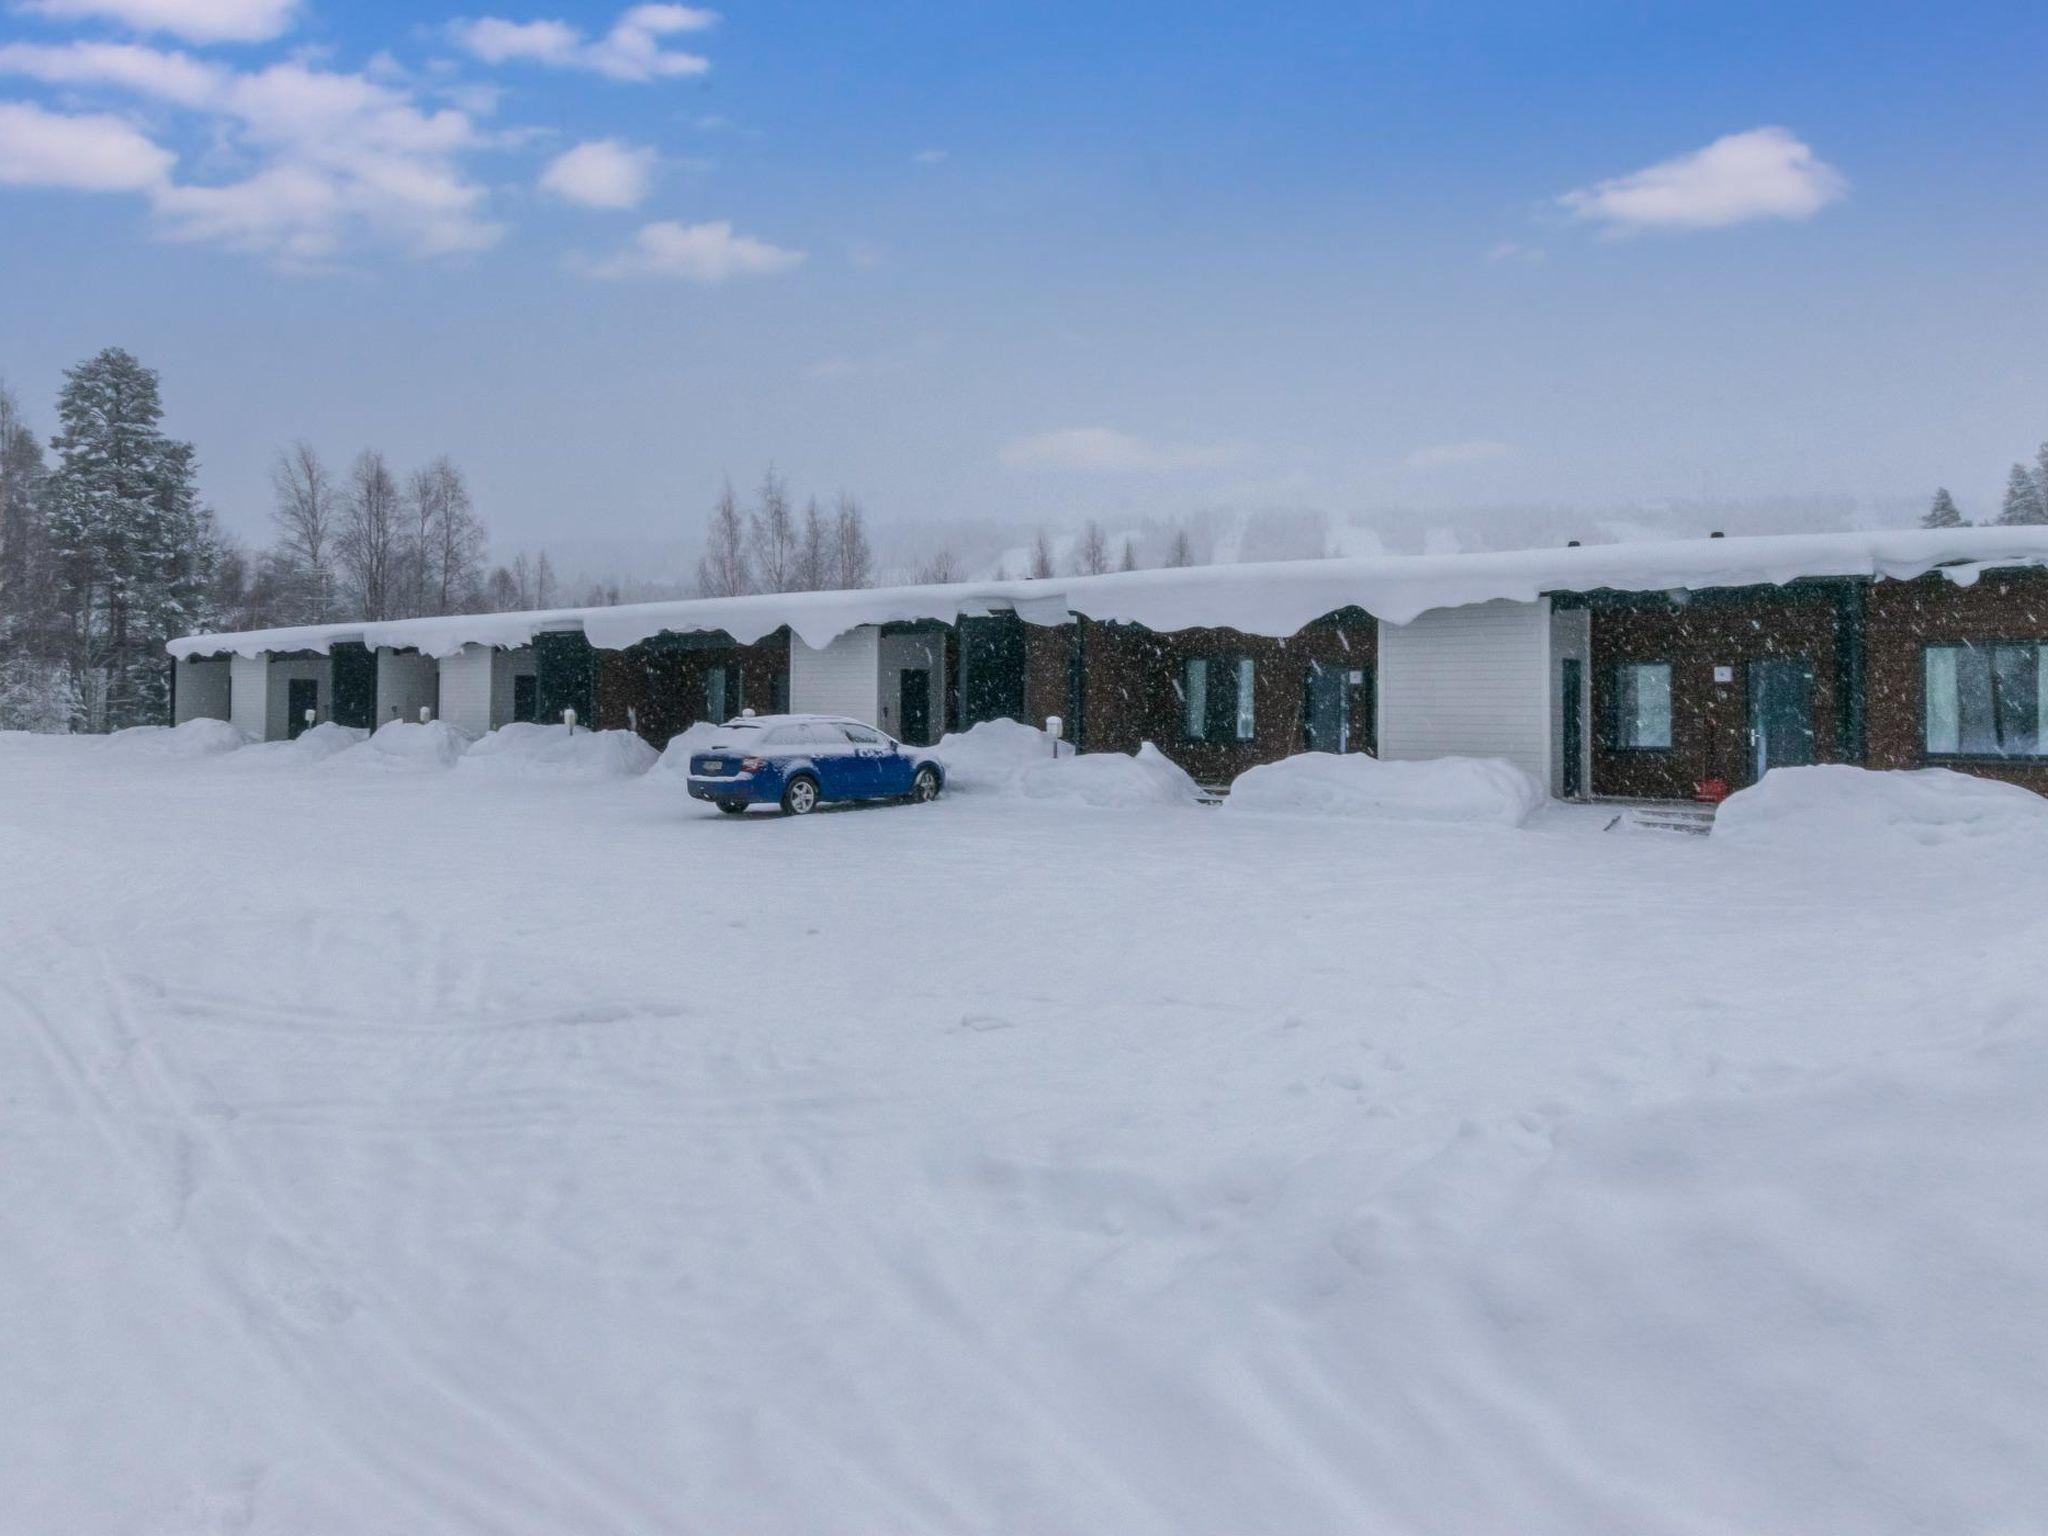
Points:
[(2025, 500)]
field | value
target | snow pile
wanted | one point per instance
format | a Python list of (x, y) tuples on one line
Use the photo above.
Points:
[(402, 744), (1482, 790), (195, 738), (1110, 779), (556, 752), (312, 746), (991, 755), (1834, 803), (675, 757)]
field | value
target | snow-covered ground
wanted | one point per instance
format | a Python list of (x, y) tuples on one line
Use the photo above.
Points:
[(457, 1151)]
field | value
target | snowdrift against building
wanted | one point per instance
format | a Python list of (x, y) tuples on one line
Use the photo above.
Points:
[(1479, 790), (1275, 598), (675, 757), (1110, 780), (1837, 804), (309, 747), (558, 752), (991, 755), (195, 738), (400, 744)]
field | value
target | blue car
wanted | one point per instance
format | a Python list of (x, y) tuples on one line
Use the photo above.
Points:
[(799, 762)]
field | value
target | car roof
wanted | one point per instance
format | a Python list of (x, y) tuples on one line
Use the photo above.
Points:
[(796, 720)]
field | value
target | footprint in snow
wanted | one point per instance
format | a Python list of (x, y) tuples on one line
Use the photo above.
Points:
[(983, 1022)]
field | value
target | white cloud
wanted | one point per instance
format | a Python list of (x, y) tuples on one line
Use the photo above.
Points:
[(632, 50), (91, 153), (1765, 173), (929, 157), (1512, 250), (1103, 448), (698, 253), (1439, 455), (603, 173), (321, 156), (197, 21)]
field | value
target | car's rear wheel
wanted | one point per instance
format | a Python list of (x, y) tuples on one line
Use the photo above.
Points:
[(733, 807), (925, 786), (800, 797)]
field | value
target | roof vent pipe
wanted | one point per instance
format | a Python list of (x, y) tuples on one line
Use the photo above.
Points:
[(1715, 534)]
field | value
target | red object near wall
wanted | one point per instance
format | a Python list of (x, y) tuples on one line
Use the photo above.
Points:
[(1710, 791)]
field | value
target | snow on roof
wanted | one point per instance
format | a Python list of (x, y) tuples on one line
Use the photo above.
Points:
[(1275, 598)]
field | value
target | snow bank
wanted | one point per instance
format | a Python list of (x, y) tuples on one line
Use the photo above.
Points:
[(1110, 779), (1835, 803), (675, 757), (555, 752), (403, 744), (195, 738), (991, 755), (1461, 789), (312, 746)]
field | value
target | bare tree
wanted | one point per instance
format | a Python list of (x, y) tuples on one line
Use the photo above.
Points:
[(1041, 557), (1182, 550), (369, 539), (501, 591), (940, 569), (1130, 559), (813, 551), (543, 581), (771, 536), (307, 514), (447, 540), (1091, 555), (853, 559), (723, 570)]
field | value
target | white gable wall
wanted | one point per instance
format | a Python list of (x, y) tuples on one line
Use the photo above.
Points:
[(911, 651), (466, 689), (277, 707), (844, 678), (407, 682), (1469, 682), (249, 694), (205, 690)]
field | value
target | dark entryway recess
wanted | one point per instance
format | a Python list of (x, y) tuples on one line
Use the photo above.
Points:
[(1780, 714), (917, 707), (1571, 682), (355, 685), (991, 669), (301, 698), (525, 696), (1326, 708), (565, 668)]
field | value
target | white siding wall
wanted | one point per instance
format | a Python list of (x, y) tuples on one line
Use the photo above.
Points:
[(914, 652), (842, 679), (466, 689), (505, 666), (277, 711), (1469, 682), (1571, 639), (407, 682), (249, 694), (205, 689)]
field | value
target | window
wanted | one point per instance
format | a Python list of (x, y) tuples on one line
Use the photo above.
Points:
[(1987, 700), (860, 735), (714, 695), (1216, 697), (1642, 706)]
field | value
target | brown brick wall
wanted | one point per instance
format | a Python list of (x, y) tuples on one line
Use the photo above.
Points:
[(1904, 616), (1709, 720), (664, 686)]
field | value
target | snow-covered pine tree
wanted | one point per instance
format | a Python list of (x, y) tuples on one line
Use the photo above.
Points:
[(1181, 551), (24, 569), (2022, 502), (1130, 559), (37, 695), (126, 536), (1944, 513), (722, 570)]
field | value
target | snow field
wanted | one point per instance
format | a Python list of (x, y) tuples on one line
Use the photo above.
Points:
[(468, 1152)]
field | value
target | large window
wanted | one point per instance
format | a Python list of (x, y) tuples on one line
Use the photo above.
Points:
[(1216, 698), (1642, 706), (1987, 700)]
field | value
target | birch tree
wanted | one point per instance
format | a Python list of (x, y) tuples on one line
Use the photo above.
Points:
[(370, 540), (722, 570), (307, 515)]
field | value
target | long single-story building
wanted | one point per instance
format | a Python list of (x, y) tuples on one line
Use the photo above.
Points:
[(1653, 671)]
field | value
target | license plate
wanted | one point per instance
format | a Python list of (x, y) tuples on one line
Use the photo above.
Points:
[(713, 765)]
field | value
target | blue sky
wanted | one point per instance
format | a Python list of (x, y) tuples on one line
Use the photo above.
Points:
[(1044, 260)]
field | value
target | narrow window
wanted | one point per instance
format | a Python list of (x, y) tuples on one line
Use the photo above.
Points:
[(1944, 722), (1244, 698), (1642, 705), (1196, 694), (714, 694)]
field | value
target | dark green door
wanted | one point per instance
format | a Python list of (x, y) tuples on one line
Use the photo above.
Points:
[(1326, 711), (1571, 686), (525, 696), (355, 685), (917, 708), (991, 668), (301, 698), (1780, 714)]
